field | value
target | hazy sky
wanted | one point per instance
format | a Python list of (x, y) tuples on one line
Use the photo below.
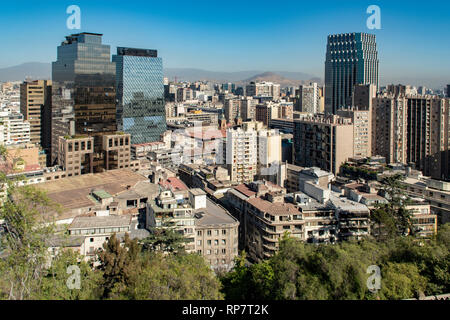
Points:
[(413, 43)]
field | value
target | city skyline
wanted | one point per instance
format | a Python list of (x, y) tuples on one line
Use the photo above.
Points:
[(208, 37)]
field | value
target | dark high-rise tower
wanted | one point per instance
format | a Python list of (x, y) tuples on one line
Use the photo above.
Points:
[(84, 94), (140, 94), (351, 58)]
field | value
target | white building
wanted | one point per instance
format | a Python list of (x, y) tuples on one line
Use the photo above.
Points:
[(310, 98), (14, 129), (242, 154)]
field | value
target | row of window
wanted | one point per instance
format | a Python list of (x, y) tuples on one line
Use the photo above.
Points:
[(209, 232), (209, 242)]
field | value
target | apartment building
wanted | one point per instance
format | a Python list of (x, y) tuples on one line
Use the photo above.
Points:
[(14, 129), (323, 141), (428, 135), (435, 192), (264, 89), (242, 154), (35, 96), (248, 108), (210, 230), (389, 128), (309, 98), (362, 130), (266, 213)]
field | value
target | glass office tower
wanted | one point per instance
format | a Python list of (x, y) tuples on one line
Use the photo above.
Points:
[(351, 58), (83, 94), (140, 94)]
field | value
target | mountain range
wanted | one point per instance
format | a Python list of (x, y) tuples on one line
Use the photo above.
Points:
[(38, 70)]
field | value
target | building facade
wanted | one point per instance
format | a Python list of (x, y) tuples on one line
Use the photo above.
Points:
[(325, 142), (351, 58), (83, 92), (140, 94), (34, 97)]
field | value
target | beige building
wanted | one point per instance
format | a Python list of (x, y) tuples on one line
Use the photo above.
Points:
[(267, 89), (76, 154), (389, 128), (211, 231), (362, 130), (34, 97), (242, 154), (321, 141)]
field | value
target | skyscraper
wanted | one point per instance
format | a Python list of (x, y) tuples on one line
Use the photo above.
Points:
[(351, 58), (83, 95), (140, 94)]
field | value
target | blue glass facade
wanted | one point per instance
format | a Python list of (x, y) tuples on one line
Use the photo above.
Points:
[(140, 94), (83, 97)]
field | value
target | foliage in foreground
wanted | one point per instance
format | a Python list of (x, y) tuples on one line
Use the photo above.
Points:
[(409, 268)]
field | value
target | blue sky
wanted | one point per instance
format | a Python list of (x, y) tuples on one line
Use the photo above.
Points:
[(413, 42)]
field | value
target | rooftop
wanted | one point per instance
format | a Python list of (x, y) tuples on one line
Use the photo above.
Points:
[(213, 215), (72, 193), (274, 208), (100, 222)]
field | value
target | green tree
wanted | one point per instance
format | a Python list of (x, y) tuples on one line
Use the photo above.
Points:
[(165, 239), (54, 284), (23, 246), (173, 277), (401, 281), (117, 263), (392, 218)]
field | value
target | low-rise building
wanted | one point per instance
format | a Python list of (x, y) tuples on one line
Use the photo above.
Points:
[(209, 229)]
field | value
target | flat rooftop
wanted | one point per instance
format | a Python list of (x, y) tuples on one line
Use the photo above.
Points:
[(73, 193), (100, 222), (214, 215)]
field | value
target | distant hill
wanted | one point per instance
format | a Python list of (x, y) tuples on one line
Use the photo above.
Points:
[(282, 80), (287, 78), (30, 70), (38, 70)]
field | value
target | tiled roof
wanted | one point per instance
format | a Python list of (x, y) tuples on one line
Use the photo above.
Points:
[(242, 188), (274, 208)]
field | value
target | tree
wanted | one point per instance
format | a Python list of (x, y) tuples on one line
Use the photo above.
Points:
[(236, 283), (392, 218), (173, 277), (24, 244), (54, 284), (165, 239), (117, 264)]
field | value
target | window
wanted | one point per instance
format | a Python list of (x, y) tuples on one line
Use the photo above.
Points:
[(199, 233), (216, 232), (224, 241), (208, 251), (199, 251), (92, 239), (216, 242), (199, 242), (216, 251), (209, 242), (224, 232), (224, 251), (209, 232)]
